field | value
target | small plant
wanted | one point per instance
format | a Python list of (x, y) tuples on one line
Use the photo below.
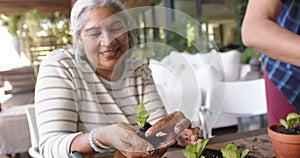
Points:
[(195, 151), (142, 116), (231, 151), (292, 120)]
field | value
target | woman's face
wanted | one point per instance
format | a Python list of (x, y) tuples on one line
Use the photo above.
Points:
[(104, 38)]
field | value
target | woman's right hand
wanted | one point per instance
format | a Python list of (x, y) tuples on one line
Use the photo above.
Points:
[(124, 139)]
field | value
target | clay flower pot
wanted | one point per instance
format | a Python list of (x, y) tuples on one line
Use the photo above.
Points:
[(285, 145)]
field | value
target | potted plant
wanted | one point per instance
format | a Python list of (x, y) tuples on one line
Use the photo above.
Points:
[(195, 151), (231, 151), (285, 136)]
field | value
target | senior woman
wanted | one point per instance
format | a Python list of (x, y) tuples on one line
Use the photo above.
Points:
[(86, 97)]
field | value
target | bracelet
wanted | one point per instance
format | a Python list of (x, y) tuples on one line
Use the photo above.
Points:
[(99, 150), (98, 143), (75, 154)]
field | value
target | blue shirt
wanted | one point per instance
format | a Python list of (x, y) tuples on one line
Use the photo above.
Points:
[(286, 76)]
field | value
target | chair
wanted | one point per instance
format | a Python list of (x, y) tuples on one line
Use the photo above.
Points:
[(34, 136), (243, 99)]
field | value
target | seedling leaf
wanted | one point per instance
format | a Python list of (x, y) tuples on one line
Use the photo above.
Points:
[(195, 151), (227, 153), (142, 115), (245, 152), (292, 120), (231, 151)]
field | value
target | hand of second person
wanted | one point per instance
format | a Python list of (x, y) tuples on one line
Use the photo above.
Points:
[(177, 127)]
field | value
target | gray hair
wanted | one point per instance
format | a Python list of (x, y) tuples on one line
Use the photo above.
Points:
[(82, 6)]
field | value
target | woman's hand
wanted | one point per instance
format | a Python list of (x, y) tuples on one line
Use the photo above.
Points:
[(177, 127), (126, 141)]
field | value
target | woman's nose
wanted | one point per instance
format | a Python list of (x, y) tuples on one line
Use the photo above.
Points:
[(107, 39)]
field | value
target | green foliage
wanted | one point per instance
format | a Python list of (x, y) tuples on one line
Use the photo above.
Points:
[(142, 115), (41, 25), (13, 22), (292, 120), (231, 151), (195, 151), (60, 28), (248, 54), (33, 20)]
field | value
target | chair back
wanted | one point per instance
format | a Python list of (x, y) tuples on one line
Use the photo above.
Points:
[(34, 135), (244, 98)]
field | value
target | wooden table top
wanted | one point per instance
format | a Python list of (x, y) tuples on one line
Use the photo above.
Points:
[(257, 141)]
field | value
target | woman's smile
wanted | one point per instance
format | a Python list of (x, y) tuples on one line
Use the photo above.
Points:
[(110, 53)]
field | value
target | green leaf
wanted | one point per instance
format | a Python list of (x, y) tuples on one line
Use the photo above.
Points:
[(284, 123), (142, 115), (202, 146), (231, 147), (292, 116), (292, 120), (245, 152), (189, 154), (227, 153), (231, 151), (196, 149)]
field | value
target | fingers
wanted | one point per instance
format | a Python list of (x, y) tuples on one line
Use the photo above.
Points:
[(166, 144), (162, 148), (166, 124), (134, 143), (182, 125), (159, 125)]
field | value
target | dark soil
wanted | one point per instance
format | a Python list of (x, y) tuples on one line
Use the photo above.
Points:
[(282, 129), (212, 153), (155, 141)]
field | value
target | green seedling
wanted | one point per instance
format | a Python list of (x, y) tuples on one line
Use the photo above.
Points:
[(292, 120), (195, 151), (231, 151), (142, 115)]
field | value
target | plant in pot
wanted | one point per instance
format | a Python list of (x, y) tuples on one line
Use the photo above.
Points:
[(285, 136), (199, 151), (196, 150), (231, 151)]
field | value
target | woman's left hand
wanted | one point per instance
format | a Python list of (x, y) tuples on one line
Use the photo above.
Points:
[(177, 127)]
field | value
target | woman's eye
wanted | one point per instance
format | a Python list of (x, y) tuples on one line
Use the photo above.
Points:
[(93, 34), (117, 29)]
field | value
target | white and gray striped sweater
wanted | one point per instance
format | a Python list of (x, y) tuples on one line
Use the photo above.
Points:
[(70, 99)]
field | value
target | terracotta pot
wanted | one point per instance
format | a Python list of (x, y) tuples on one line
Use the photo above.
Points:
[(285, 145)]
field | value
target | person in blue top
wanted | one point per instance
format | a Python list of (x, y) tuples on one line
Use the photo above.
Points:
[(272, 27)]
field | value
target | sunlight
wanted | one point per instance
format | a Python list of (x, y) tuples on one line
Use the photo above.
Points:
[(9, 57)]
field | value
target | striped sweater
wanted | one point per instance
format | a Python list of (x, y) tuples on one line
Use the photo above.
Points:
[(71, 99)]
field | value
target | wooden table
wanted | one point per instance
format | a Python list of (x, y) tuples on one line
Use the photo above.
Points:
[(256, 141)]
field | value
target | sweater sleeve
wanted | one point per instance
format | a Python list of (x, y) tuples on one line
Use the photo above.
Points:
[(151, 98), (55, 105)]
